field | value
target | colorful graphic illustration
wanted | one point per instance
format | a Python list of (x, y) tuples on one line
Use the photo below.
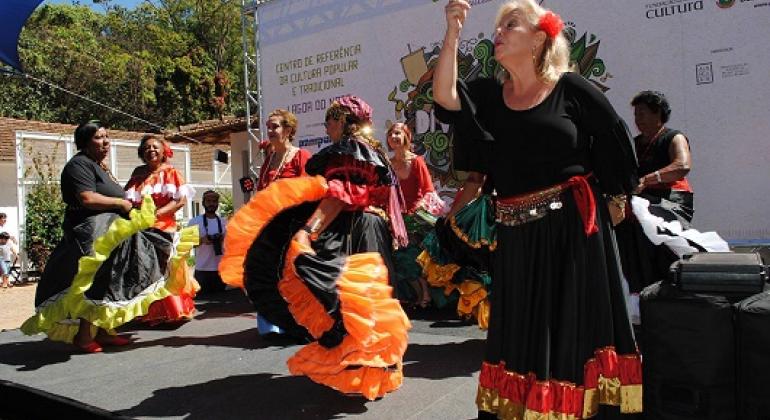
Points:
[(583, 52), (413, 102), (413, 97)]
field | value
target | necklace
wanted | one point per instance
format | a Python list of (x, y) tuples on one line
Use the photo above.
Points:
[(652, 141), (289, 151)]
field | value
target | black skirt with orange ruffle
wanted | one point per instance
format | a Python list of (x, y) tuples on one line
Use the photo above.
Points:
[(335, 294)]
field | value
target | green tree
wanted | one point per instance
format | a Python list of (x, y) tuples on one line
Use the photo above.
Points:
[(44, 209), (226, 208), (171, 62)]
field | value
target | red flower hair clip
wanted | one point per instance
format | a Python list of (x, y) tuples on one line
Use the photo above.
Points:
[(551, 24), (167, 152)]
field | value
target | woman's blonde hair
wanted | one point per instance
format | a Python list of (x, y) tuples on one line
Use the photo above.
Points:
[(288, 120), (554, 57)]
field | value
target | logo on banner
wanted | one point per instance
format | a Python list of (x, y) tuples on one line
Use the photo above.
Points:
[(672, 8), (725, 4), (704, 74), (413, 96)]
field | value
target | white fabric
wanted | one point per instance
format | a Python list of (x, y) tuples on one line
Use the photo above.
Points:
[(433, 203), (10, 227), (6, 254), (164, 189), (632, 304), (205, 260), (659, 231)]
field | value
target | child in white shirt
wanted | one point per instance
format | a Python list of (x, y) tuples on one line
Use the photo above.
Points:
[(7, 254)]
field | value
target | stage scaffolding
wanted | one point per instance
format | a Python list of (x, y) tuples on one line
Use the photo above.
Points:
[(252, 83)]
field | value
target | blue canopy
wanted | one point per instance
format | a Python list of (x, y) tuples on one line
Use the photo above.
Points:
[(13, 16)]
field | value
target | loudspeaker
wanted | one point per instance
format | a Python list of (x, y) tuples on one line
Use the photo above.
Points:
[(688, 354), (221, 156), (752, 322)]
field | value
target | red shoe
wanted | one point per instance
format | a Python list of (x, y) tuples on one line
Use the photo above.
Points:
[(92, 347)]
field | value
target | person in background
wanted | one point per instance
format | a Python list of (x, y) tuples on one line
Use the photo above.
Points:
[(664, 162), (553, 146), (457, 251), (7, 255), (158, 179), (212, 229), (3, 228), (282, 160), (419, 195)]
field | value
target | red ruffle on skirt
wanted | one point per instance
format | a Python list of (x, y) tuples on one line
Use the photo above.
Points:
[(610, 379), (170, 309)]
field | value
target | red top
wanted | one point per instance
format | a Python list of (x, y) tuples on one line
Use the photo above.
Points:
[(416, 184), (293, 168), (163, 186), (678, 185), (355, 183)]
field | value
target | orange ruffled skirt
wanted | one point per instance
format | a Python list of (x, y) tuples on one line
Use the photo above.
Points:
[(180, 282)]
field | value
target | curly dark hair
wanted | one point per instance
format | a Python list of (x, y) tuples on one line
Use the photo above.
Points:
[(654, 100), (143, 146), (85, 132)]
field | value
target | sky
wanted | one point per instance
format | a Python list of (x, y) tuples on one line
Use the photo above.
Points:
[(129, 4)]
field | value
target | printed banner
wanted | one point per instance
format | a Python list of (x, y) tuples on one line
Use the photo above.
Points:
[(707, 56)]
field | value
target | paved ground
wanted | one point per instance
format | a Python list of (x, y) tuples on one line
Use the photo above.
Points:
[(16, 305), (217, 366)]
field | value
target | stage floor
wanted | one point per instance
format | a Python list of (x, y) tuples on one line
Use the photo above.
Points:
[(217, 366)]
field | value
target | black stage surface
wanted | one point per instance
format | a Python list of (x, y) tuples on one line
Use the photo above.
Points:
[(218, 367)]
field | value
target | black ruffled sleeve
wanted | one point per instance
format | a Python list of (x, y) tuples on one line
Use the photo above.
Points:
[(612, 149), (356, 153), (470, 138)]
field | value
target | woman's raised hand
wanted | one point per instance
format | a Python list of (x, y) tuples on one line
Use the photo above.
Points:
[(456, 11)]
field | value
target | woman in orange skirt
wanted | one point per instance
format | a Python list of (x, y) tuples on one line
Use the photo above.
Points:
[(159, 179), (313, 255)]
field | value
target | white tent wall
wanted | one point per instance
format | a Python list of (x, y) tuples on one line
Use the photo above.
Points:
[(8, 202), (708, 56)]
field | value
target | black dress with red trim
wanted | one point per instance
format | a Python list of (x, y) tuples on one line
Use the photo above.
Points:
[(559, 343)]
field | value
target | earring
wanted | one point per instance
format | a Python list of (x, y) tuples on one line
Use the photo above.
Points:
[(534, 58)]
